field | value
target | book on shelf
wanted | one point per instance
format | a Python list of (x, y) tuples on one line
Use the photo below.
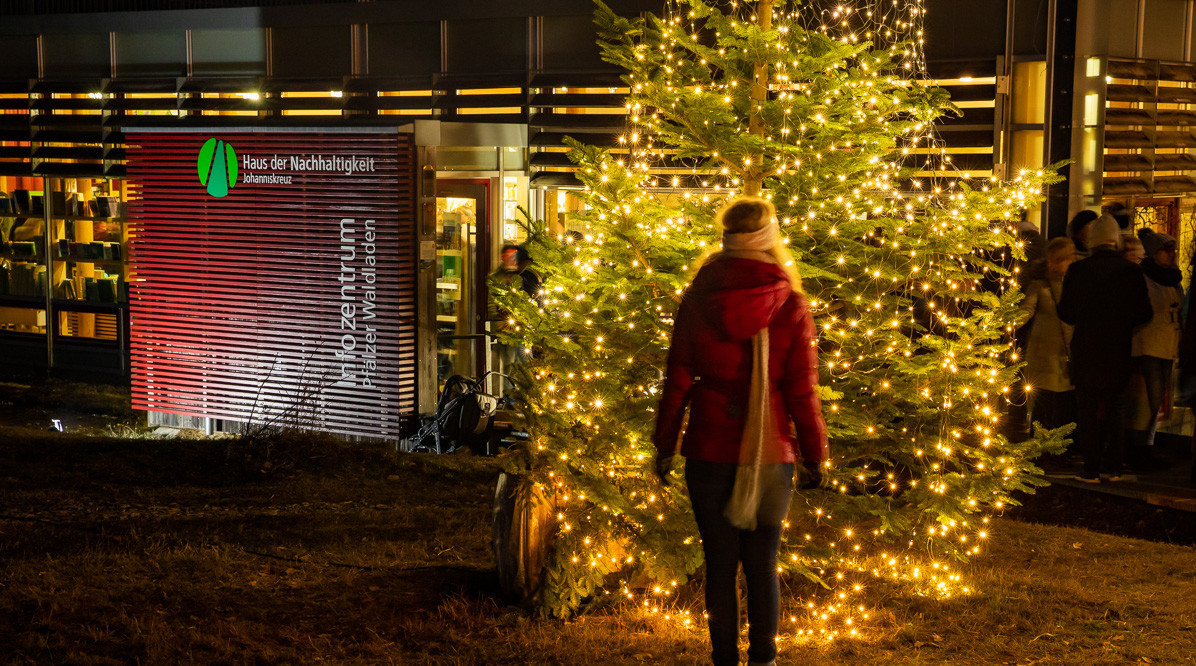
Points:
[(106, 205), (20, 202), (63, 203), (23, 248), (28, 229), (106, 289), (65, 290), (26, 280)]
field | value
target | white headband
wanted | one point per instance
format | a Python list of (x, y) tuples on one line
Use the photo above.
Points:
[(762, 239)]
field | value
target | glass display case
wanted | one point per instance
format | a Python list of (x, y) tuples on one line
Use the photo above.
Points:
[(88, 257), (23, 269), (63, 266)]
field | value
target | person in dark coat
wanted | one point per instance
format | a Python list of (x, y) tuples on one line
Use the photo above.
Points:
[(1077, 230), (1104, 298), (743, 359)]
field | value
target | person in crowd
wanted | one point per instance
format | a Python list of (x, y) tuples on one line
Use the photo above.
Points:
[(1051, 392), (995, 282), (514, 271), (1155, 347), (1186, 392), (1077, 230), (516, 263), (1104, 298), (743, 359), (1131, 248), (1121, 214), (1033, 267)]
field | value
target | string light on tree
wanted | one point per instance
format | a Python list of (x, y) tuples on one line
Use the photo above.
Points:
[(823, 109)]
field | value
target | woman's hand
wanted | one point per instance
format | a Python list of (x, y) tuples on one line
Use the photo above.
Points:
[(812, 478), (664, 467)]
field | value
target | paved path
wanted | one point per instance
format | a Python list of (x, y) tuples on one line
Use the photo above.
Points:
[(1167, 487)]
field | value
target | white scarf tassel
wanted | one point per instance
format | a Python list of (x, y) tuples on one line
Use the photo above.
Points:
[(745, 499)]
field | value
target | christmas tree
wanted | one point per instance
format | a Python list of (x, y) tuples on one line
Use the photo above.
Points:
[(824, 113)]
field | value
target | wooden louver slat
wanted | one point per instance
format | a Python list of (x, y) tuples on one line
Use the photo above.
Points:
[(253, 306)]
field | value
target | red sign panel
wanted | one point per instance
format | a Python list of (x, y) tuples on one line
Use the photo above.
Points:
[(273, 277)]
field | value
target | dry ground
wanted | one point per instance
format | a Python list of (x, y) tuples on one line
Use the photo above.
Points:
[(125, 550)]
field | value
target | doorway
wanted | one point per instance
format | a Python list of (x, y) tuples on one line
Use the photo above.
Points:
[(462, 267)]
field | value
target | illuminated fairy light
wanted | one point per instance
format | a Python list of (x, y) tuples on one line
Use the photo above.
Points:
[(915, 367)]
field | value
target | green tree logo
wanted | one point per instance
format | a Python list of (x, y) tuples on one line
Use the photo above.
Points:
[(217, 167)]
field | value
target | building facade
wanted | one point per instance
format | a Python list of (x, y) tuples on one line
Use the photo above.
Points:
[(487, 93)]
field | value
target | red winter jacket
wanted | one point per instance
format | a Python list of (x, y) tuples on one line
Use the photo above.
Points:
[(710, 365)]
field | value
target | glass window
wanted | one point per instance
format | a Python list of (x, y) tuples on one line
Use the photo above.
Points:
[(94, 325), (456, 266), (467, 159), (23, 320), (487, 45), (76, 55), (514, 197), (162, 53), (238, 51)]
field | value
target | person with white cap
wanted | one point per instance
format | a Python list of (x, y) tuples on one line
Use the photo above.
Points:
[(1155, 347), (1104, 298)]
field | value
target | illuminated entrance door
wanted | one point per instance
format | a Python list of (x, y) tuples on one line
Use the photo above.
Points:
[(462, 223)]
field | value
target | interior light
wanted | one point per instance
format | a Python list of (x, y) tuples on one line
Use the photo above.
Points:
[(337, 93), (251, 95)]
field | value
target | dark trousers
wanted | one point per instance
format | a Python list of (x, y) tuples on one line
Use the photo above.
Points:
[(1099, 428), (1054, 409), (726, 546), (1156, 375)]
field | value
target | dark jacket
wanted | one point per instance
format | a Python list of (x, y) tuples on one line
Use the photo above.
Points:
[(710, 365), (1105, 298)]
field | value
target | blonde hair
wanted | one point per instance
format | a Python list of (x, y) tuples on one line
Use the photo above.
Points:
[(1060, 246), (746, 214)]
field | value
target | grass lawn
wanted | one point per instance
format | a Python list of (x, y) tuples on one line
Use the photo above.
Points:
[(166, 551)]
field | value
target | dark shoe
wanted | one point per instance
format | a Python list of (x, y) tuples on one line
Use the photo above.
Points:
[(1144, 459), (1086, 478)]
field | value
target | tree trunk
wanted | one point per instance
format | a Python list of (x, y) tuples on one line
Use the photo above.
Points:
[(752, 174), (523, 529)]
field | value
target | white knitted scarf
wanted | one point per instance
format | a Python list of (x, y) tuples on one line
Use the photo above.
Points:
[(758, 428), (761, 240)]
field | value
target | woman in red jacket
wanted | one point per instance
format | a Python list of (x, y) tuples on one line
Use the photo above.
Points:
[(743, 360)]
